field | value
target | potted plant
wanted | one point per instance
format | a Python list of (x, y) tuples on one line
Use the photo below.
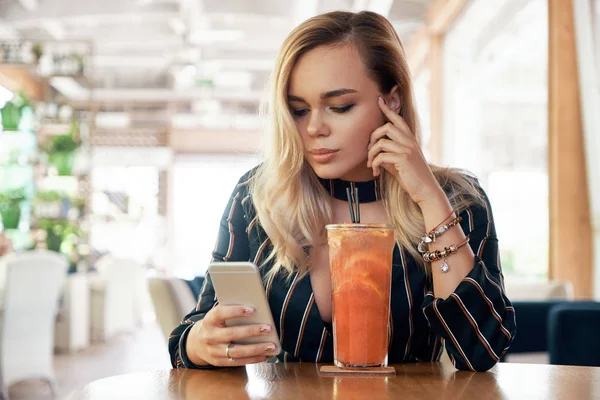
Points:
[(59, 233), (37, 50), (80, 61), (48, 204), (12, 112), (61, 151), (10, 207)]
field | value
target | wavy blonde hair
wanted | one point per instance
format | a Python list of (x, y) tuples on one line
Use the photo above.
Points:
[(291, 204)]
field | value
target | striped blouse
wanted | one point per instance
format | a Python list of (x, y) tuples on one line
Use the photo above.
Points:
[(476, 323)]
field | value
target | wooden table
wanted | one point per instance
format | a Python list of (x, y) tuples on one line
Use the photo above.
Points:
[(304, 381)]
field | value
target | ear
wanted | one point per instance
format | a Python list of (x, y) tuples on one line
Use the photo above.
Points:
[(393, 99)]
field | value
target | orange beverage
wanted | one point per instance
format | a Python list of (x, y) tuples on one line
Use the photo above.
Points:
[(360, 257)]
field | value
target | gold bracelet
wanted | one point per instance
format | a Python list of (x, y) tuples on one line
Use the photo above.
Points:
[(436, 255), (431, 236)]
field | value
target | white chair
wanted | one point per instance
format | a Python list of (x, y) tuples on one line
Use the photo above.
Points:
[(524, 290), (113, 299), (33, 283), (73, 320), (172, 299)]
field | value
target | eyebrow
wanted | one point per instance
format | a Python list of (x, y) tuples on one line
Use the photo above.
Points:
[(323, 96)]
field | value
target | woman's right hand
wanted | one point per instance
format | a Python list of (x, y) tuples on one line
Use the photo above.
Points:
[(209, 339)]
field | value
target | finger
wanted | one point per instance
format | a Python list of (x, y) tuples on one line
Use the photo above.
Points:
[(384, 158), (241, 351), (386, 145), (389, 130), (231, 334), (239, 362), (393, 116), (218, 315)]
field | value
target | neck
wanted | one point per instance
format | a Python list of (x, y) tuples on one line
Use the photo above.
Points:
[(368, 191), (359, 174)]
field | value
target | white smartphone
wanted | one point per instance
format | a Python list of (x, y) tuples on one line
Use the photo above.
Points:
[(240, 284)]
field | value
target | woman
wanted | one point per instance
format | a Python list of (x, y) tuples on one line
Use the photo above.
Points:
[(342, 116)]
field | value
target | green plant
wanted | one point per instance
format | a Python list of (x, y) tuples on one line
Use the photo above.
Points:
[(21, 100), (10, 207), (63, 143), (38, 51), (12, 111), (48, 196), (57, 232), (13, 197), (80, 59), (61, 150), (80, 204)]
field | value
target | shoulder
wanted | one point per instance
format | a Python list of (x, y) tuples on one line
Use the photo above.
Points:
[(465, 193), (242, 189), (460, 183), (243, 184), (247, 177)]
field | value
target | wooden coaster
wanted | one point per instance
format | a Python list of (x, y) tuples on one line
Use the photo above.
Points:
[(332, 369)]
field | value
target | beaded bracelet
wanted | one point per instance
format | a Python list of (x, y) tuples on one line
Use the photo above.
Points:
[(430, 237), (436, 255)]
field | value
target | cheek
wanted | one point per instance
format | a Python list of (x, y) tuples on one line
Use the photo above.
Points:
[(362, 126), (302, 131)]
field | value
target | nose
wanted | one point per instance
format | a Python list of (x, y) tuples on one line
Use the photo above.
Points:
[(316, 125)]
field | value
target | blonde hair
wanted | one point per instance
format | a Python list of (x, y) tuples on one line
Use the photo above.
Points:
[(291, 204)]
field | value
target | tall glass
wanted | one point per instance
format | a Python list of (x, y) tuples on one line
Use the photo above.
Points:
[(360, 257)]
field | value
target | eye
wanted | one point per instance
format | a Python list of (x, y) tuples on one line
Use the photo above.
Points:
[(300, 112), (341, 110)]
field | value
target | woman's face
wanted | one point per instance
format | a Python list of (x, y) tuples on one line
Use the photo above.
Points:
[(334, 105)]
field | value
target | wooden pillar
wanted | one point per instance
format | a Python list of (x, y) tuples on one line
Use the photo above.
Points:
[(570, 228), (436, 101), (426, 47), (19, 78)]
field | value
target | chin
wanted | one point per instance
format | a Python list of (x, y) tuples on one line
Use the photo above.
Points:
[(343, 170), (327, 171)]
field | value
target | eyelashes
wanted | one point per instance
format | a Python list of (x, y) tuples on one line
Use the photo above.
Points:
[(300, 112), (341, 110)]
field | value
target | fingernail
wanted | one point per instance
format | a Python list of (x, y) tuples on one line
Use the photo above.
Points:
[(248, 310), (265, 329), (382, 100), (269, 348), (369, 147)]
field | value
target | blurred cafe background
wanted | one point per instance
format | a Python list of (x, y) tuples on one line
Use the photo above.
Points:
[(126, 123)]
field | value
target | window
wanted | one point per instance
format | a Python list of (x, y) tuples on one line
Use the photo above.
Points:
[(421, 94), (202, 186), (125, 220), (495, 120)]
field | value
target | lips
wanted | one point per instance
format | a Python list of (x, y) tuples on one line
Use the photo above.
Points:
[(322, 151), (323, 155)]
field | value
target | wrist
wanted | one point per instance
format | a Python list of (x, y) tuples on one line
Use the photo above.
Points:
[(435, 210), (435, 201), (192, 345)]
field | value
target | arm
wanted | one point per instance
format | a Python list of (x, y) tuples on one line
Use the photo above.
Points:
[(467, 306), (435, 209), (232, 245)]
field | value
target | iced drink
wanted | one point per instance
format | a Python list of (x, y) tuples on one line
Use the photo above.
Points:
[(360, 258)]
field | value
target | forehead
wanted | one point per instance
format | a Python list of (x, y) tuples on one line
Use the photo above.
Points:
[(328, 68)]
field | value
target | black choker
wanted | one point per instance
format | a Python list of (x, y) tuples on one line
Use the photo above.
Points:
[(368, 192)]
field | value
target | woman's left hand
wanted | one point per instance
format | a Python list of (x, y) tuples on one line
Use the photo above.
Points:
[(394, 147)]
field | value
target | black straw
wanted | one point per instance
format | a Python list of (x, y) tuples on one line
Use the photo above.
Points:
[(351, 205), (357, 205)]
